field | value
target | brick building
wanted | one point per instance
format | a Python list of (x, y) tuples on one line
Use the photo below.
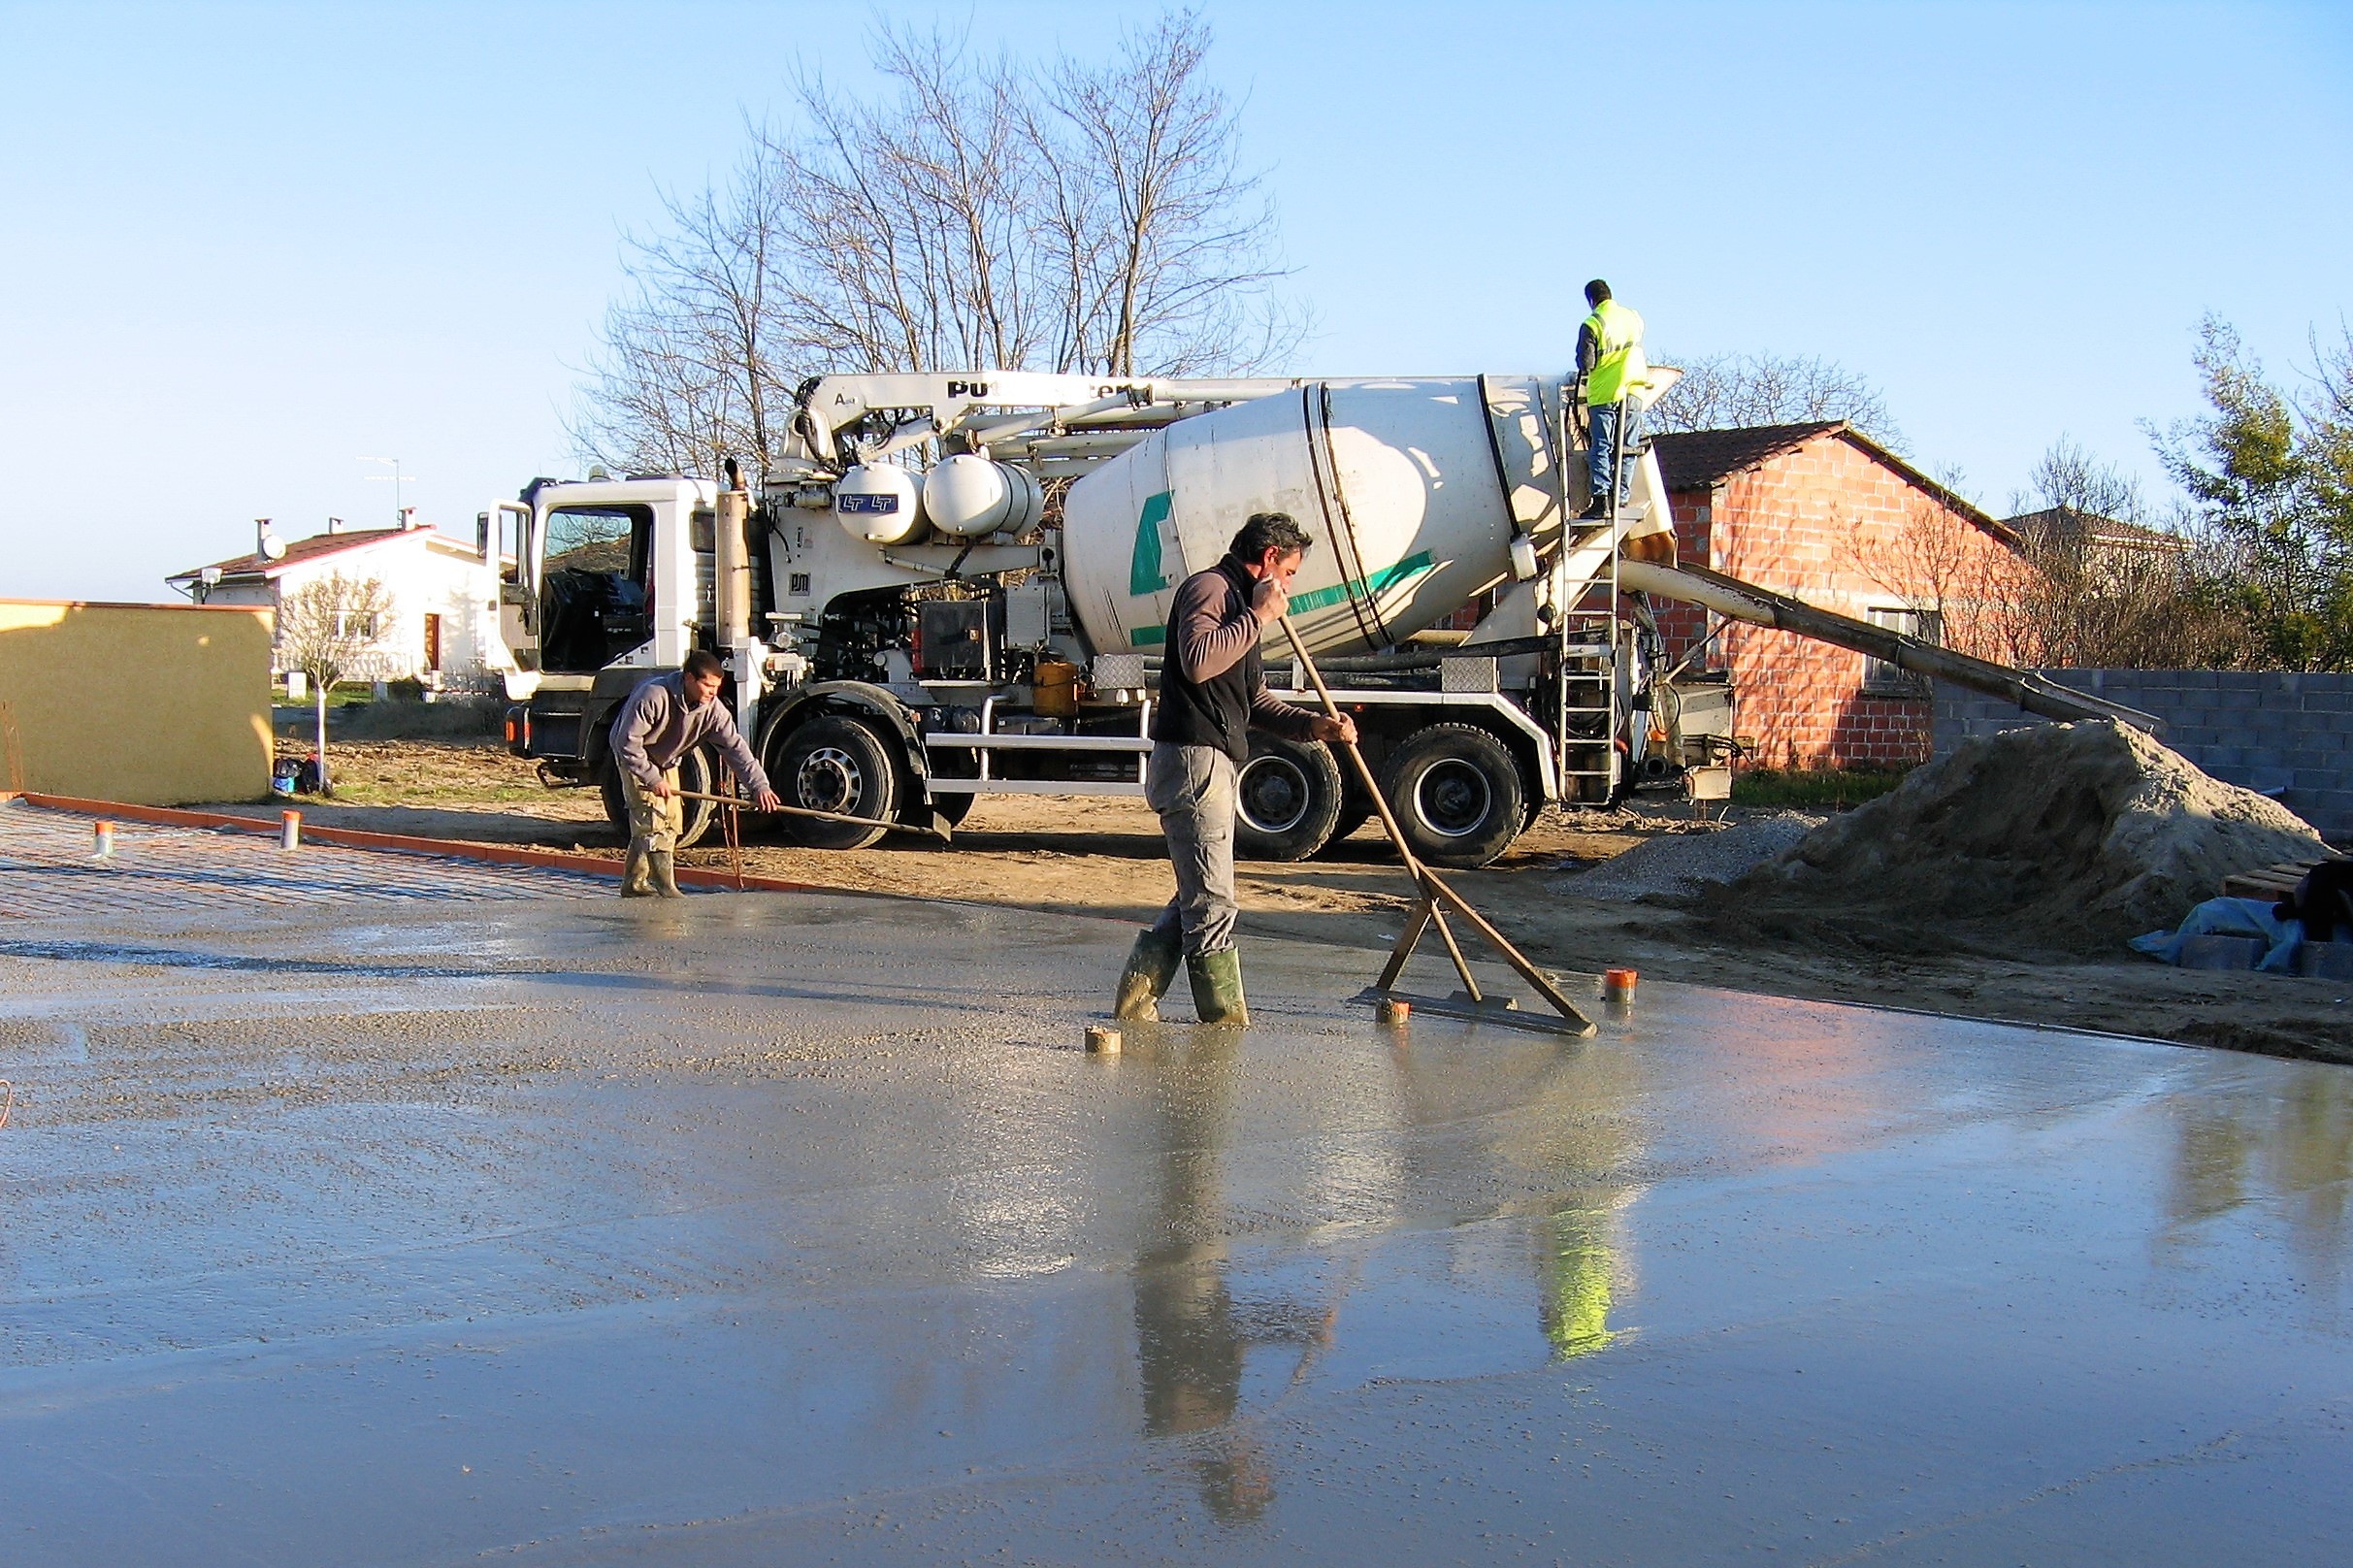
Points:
[(1825, 513)]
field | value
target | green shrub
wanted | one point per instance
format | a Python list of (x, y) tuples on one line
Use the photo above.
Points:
[(1835, 787)]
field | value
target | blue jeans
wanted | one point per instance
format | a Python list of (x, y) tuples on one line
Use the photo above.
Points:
[(1601, 458)]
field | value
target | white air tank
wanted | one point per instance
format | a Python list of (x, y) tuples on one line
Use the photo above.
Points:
[(879, 504), (1397, 482), (969, 497)]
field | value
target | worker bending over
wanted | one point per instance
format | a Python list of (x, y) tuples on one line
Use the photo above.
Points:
[(1610, 369), (1213, 688), (661, 721)]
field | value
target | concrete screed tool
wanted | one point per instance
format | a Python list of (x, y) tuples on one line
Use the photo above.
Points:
[(1436, 900)]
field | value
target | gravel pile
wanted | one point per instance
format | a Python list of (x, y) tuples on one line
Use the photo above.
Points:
[(1685, 862)]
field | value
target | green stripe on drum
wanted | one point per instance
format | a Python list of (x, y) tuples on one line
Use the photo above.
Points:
[(1148, 636), (1388, 578)]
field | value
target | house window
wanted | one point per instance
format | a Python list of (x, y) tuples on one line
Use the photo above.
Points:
[(1883, 679), (358, 628)]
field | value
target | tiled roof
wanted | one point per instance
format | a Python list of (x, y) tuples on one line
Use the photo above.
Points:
[(2064, 521), (300, 550), (1694, 459), (1688, 459)]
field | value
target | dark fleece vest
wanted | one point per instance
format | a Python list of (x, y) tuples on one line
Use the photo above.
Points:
[(1214, 713)]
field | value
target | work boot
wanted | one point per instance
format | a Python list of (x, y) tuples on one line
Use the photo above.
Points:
[(636, 874), (1151, 965), (666, 877), (1217, 987)]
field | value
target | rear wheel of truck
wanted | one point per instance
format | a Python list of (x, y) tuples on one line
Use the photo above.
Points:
[(694, 775), (1287, 799), (840, 765), (1457, 793)]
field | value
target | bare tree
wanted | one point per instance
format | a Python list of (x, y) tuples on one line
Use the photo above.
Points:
[(985, 213), (327, 629), (1727, 391), (2069, 477)]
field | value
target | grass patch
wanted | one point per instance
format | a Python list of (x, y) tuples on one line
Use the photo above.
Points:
[(1833, 789)]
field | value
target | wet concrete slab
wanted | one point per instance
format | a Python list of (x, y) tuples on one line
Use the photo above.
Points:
[(781, 1229)]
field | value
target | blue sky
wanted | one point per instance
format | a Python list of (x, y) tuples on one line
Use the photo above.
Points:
[(248, 244)]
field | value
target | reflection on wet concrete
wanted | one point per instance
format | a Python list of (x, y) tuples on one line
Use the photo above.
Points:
[(783, 1229)]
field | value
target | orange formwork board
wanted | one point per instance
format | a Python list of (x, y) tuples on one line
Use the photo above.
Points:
[(355, 839)]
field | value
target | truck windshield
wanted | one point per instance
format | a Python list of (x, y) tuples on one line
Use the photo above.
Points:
[(596, 592)]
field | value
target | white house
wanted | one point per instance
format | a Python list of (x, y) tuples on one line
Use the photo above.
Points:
[(443, 627)]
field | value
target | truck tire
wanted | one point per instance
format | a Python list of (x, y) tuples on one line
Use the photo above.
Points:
[(1285, 800), (1457, 793), (694, 773), (835, 763)]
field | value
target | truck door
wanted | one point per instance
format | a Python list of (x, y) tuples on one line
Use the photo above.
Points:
[(514, 549)]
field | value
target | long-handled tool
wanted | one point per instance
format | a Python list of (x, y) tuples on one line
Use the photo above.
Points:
[(1437, 898), (737, 803)]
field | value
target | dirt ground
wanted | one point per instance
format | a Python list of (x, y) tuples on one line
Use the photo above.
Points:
[(1099, 856)]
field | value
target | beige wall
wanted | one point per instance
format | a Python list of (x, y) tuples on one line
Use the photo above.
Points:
[(153, 705)]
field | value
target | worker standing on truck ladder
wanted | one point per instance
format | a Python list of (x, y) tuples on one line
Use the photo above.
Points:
[(1610, 369), (661, 721), (1213, 688)]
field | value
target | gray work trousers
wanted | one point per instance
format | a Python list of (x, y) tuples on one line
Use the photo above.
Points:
[(1193, 789)]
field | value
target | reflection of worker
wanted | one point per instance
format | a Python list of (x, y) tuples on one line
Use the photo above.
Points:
[(1212, 691), (1192, 1340), (661, 721), (1611, 370)]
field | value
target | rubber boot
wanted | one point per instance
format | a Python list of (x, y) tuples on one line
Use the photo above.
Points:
[(637, 881), (1151, 965), (1217, 987), (666, 877)]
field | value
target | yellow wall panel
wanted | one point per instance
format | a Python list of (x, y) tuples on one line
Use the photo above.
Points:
[(154, 705)]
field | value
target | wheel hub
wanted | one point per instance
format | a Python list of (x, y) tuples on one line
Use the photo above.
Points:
[(1453, 798), (1274, 795), (828, 779)]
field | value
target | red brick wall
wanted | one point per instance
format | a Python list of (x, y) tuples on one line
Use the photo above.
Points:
[(1830, 524)]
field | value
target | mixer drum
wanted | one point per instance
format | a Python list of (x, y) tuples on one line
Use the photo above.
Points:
[(1402, 484)]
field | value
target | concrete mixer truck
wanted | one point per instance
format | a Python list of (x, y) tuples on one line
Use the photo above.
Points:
[(947, 586)]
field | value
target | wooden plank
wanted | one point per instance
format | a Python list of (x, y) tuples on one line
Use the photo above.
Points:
[(2271, 882)]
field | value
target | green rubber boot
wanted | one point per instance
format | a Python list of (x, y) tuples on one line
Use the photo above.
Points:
[(666, 877), (1151, 965), (1217, 987), (637, 871)]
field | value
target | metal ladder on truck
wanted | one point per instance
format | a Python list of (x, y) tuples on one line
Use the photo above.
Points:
[(1592, 640)]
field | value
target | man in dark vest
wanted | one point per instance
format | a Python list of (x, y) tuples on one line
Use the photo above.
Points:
[(1212, 690)]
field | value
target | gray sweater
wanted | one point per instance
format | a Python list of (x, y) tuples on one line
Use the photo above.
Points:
[(655, 727)]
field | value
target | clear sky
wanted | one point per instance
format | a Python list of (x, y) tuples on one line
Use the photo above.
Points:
[(247, 245)]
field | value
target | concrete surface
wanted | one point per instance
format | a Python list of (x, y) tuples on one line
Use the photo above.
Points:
[(49, 867), (788, 1228)]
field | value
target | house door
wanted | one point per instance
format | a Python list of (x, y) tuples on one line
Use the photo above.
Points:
[(432, 643)]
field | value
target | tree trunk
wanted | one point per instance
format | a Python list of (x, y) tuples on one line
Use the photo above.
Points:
[(322, 734)]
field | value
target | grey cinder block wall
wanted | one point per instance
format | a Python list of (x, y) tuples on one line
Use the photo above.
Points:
[(2280, 733)]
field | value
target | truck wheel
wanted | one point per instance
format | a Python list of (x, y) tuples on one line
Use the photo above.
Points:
[(1457, 793), (694, 773), (1287, 799), (835, 763)]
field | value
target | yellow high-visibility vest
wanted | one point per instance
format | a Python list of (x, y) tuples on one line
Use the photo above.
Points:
[(1618, 363)]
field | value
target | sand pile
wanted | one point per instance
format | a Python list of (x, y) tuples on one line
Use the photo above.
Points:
[(2082, 833)]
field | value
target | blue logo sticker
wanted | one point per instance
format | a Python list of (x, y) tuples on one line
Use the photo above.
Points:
[(881, 503)]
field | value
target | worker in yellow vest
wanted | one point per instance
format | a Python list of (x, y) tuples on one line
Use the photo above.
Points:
[(1610, 370)]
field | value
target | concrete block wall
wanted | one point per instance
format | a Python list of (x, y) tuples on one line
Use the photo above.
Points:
[(2284, 733)]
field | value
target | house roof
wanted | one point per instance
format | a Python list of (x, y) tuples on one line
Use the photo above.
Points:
[(313, 548), (2070, 523), (1696, 459), (1690, 459)]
